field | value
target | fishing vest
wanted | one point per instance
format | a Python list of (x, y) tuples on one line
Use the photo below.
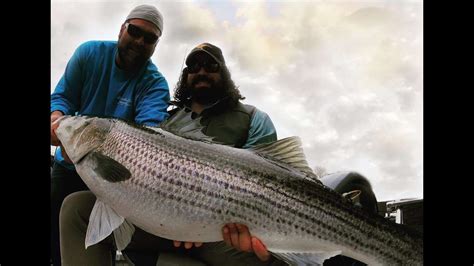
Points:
[(227, 126)]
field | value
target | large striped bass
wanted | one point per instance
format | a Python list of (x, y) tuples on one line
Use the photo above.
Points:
[(187, 190)]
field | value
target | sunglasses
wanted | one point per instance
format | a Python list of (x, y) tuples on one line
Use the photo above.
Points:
[(208, 67), (136, 33)]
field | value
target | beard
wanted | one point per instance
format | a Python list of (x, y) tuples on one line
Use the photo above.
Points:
[(130, 58), (207, 95)]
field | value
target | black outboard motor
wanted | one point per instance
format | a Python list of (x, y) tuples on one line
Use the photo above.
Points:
[(345, 182)]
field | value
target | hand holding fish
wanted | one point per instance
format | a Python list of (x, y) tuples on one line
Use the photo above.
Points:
[(187, 245), (54, 139), (54, 116), (238, 236)]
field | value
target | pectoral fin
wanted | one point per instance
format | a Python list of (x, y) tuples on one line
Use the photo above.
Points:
[(110, 169)]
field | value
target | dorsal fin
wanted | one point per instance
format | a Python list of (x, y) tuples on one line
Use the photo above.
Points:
[(288, 151), (186, 128)]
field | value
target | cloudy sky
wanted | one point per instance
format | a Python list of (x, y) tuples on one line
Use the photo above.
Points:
[(344, 76)]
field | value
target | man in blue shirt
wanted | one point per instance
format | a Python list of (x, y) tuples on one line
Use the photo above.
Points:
[(108, 78), (205, 91)]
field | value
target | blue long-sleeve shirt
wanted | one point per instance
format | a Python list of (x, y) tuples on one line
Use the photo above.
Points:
[(92, 84)]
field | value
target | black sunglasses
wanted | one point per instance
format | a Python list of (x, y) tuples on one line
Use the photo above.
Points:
[(136, 32), (208, 67)]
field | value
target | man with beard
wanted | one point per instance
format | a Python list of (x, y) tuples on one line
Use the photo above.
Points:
[(205, 89), (107, 78), (205, 94)]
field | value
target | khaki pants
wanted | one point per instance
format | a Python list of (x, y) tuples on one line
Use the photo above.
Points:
[(63, 183), (74, 218)]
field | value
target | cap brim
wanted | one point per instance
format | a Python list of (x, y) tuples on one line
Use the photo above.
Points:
[(193, 53)]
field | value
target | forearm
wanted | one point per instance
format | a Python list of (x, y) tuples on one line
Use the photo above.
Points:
[(261, 130), (64, 102), (151, 109)]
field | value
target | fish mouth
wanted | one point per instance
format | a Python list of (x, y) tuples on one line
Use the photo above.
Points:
[(82, 134), (61, 118), (56, 123)]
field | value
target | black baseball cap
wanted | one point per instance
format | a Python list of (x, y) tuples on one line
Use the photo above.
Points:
[(210, 49)]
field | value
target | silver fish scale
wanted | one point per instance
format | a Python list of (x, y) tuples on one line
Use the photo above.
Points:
[(208, 182)]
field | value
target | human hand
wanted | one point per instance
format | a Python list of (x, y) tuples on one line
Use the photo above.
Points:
[(187, 245), (54, 116), (238, 236)]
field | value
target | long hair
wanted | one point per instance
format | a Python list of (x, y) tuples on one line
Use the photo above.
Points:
[(182, 93)]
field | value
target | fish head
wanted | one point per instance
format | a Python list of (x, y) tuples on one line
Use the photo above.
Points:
[(79, 135)]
